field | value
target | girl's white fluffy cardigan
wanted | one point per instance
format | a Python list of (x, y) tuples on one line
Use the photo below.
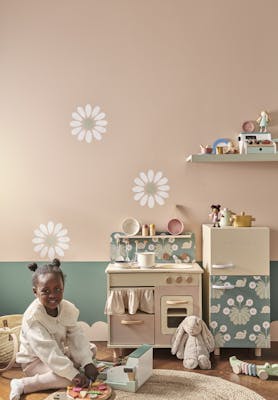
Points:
[(58, 342)]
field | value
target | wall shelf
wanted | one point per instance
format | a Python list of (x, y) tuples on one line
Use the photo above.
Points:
[(189, 235), (205, 158)]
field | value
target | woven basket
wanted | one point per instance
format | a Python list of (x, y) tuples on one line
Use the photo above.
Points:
[(10, 326)]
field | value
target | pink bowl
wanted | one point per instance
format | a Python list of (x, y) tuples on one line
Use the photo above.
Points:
[(175, 226)]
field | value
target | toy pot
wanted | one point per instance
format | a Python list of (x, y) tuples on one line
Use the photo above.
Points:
[(226, 217), (242, 220), (146, 259)]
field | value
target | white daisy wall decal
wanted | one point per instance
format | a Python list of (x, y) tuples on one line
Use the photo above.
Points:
[(151, 188), (50, 240), (88, 123)]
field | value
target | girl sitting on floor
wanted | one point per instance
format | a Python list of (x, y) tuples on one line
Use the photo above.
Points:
[(52, 345)]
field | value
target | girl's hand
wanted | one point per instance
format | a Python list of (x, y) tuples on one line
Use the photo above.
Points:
[(81, 380), (91, 371)]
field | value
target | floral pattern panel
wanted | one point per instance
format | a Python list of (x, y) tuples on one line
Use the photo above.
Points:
[(166, 247), (240, 311)]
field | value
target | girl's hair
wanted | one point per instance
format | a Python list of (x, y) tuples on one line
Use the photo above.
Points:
[(53, 267)]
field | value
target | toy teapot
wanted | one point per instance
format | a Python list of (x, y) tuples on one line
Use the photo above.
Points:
[(226, 217)]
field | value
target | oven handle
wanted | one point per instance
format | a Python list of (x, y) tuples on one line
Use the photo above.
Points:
[(223, 287), (132, 322), (173, 302)]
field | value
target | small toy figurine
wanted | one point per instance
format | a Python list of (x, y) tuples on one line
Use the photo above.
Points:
[(262, 371), (215, 215), (206, 149), (231, 148), (263, 121)]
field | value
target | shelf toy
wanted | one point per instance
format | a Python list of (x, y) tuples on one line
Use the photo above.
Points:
[(262, 371), (215, 215), (263, 120)]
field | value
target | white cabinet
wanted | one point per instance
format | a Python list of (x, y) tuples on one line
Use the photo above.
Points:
[(236, 285)]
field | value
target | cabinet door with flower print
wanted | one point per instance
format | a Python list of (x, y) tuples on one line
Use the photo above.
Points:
[(240, 311)]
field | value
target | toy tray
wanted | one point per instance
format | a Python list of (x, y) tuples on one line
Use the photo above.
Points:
[(70, 394)]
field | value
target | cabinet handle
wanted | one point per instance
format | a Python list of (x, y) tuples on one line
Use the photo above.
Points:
[(216, 266), (131, 322), (223, 287), (172, 302)]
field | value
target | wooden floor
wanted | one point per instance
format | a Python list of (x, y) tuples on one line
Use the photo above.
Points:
[(164, 360)]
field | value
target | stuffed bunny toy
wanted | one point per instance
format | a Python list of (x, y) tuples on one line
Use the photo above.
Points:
[(193, 342)]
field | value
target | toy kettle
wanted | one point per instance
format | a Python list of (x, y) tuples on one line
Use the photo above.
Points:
[(225, 217)]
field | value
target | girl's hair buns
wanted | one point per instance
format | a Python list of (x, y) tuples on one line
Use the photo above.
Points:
[(33, 267), (53, 267)]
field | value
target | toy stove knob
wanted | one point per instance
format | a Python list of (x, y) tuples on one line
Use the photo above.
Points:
[(189, 279), (169, 279), (179, 279)]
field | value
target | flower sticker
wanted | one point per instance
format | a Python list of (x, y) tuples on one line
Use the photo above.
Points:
[(88, 123), (151, 188), (50, 240)]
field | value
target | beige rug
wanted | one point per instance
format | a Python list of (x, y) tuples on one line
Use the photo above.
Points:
[(179, 385)]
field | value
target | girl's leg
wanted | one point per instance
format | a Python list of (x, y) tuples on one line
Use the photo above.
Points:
[(39, 377)]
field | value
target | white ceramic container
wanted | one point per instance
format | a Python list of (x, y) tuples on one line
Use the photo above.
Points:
[(146, 259)]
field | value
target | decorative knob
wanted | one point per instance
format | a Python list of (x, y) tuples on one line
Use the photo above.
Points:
[(178, 279), (169, 279), (189, 279)]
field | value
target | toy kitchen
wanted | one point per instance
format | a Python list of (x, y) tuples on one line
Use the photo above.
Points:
[(153, 283)]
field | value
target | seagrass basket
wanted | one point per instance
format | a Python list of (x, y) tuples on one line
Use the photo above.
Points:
[(10, 326)]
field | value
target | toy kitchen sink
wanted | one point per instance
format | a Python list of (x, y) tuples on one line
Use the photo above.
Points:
[(146, 305)]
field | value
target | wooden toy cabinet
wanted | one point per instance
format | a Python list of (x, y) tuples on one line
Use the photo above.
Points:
[(149, 304), (236, 286)]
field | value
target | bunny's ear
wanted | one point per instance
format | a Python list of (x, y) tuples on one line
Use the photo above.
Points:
[(207, 336), (176, 338)]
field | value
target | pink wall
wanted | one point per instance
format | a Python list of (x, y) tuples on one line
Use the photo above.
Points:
[(168, 75)]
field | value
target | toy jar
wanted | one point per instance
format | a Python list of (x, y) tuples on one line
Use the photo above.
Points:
[(225, 217)]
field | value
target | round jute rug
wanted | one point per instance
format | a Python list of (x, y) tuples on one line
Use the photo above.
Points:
[(179, 385), (182, 385)]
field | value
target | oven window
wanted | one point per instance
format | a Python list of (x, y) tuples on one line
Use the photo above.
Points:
[(173, 311), (175, 316)]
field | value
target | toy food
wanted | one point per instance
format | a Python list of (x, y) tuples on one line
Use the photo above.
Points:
[(98, 390)]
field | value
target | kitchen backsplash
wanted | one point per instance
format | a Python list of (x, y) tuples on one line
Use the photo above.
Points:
[(167, 248)]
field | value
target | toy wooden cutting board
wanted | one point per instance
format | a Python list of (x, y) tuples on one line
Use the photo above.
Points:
[(98, 391)]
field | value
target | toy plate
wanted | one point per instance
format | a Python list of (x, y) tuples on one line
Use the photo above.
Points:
[(248, 126)]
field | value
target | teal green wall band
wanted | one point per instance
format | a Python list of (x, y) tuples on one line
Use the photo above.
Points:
[(85, 287)]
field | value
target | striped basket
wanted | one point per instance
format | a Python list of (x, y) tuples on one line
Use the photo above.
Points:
[(10, 326)]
